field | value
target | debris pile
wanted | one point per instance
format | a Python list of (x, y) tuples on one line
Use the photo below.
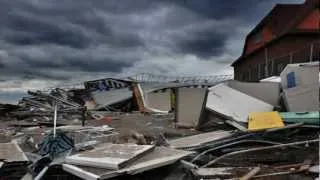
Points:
[(175, 129)]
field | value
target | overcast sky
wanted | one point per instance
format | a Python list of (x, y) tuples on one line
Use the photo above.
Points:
[(44, 43)]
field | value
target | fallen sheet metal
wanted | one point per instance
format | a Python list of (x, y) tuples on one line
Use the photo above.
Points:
[(264, 120), (299, 99), (13, 161), (312, 117), (106, 98), (266, 91), (111, 156), (11, 152), (161, 156), (189, 105), (234, 104), (90, 173), (198, 140)]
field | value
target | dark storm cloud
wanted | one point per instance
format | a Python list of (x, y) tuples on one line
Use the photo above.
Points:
[(220, 9), (97, 65), (203, 44), (31, 74), (30, 30), (60, 39)]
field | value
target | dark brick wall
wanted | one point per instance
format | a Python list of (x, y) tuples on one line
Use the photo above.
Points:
[(294, 49)]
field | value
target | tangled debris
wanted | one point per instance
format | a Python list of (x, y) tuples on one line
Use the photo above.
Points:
[(123, 128)]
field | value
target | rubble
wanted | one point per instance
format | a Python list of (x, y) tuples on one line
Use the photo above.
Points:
[(268, 92), (13, 161), (188, 111), (109, 156), (125, 128), (160, 156), (227, 102)]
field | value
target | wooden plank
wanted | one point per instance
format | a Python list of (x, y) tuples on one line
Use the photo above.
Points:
[(252, 173), (199, 139)]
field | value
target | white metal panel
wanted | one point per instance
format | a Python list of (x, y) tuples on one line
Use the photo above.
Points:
[(299, 99), (111, 156), (306, 74), (161, 156), (268, 92), (234, 104)]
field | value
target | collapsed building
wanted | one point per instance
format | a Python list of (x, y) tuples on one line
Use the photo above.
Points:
[(167, 127)]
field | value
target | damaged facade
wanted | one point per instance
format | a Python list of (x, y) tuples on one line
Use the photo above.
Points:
[(288, 34)]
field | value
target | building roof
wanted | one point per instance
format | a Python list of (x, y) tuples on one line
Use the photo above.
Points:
[(283, 19)]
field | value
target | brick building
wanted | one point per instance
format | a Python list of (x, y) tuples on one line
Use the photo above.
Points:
[(290, 33)]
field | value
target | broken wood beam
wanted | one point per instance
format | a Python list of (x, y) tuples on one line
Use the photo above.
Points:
[(253, 172)]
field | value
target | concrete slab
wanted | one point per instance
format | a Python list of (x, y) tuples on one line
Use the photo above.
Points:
[(268, 92), (301, 99), (161, 156), (189, 105), (199, 139), (159, 100), (234, 104), (111, 156), (11, 152)]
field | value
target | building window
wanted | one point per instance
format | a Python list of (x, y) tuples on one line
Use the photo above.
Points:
[(257, 37)]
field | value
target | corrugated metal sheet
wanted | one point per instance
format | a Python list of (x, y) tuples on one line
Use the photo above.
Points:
[(106, 98)]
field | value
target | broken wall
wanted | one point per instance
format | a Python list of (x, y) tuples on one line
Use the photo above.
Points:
[(268, 92), (189, 105), (159, 100)]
